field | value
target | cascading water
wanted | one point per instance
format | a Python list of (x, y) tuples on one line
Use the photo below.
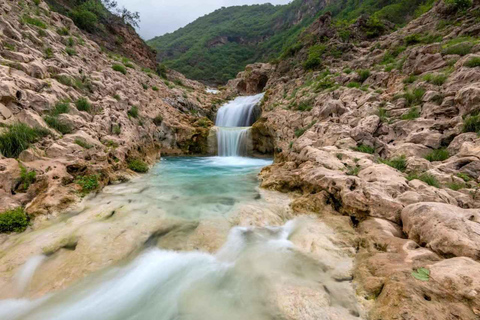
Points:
[(233, 121)]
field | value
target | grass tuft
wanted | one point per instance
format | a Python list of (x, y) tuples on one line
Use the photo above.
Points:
[(438, 155), (19, 137), (14, 220), (138, 165)]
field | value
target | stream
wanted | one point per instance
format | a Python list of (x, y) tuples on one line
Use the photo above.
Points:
[(193, 239)]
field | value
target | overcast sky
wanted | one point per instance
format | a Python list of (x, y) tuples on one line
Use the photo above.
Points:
[(162, 16)]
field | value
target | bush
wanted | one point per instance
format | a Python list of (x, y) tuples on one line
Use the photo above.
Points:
[(363, 75), (54, 123), (438, 155), (458, 5), (399, 163), (472, 124), (162, 70), (87, 183), (13, 221), (82, 104), (437, 79), (461, 49), (158, 120), (18, 137), (137, 166), (314, 60), (26, 177), (119, 68), (84, 19), (154, 88), (60, 107), (412, 39), (365, 149), (133, 112), (425, 177), (473, 62)]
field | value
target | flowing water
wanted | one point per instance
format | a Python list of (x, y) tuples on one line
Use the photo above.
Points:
[(194, 239), (234, 120)]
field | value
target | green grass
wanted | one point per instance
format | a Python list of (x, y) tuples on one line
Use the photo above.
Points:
[(438, 155), (87, 183), (383, 114), (83, 144), (414, 97), (116, 130), (365, 149), (472, 124), (60, 108), (138, 165), (119, 68), (425, 177), (154, 88), (63, 31), (353, 171), (464, 176), (412, 114), (14, 220), (48, 53), (299, 132), (399, 163), (304, 106), (158, 120), (82, 104), (410, 79), (461, 49), (473, 62), (456, 186), (436, 79), (133, 112), (34, 21), (54, 123), (354, 84), (19, 137), (363, 75), (70, 51)]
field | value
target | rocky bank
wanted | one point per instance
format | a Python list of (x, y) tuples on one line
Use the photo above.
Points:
[(93, 111), (383, 131)]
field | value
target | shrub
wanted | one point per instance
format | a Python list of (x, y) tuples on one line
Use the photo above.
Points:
[(437, 79), (412, 114), (119, 68), (54, 123), (60, 107), (425, 177), (399, 163), (144, 86), (438, 155), (82, 104), (414, 97), (26, 177), (154, 88), (63, 31), (473, 62), (48, 53), (412, 39), (162, 70), (87, 183), (116, 129), (133, 112), (314, 60), (83, 144), (137, 165), (458, 5), (14, 220), (354, 84), (363, 75), (472, 124), (129, 65), (158, 120), (18, 137), (84, 19), (461, 49), (70, 51), (117, 97)]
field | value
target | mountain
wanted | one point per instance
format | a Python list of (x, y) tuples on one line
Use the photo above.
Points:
[(214, 48), (217, 46)]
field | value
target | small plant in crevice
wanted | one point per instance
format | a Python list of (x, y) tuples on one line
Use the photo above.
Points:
[(455, 186), (436, 79), (353, 171), (19, 137), (14, 220), (133, 112), (399, 163), (363, 75), (413, 113), (364, 148), (425, 177), (438, 155), (87, 183), (158, 120), (116, 130), (26, 178), (119, 68), (82, 104), (473, 62), (138, 165), (83, 144), (55, 123)]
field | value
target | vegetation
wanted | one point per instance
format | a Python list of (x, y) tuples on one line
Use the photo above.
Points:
[(158, 120), (82, 104), (33, 21), (87, 183), (438, 155), (399, 163), (473, 62), (60, 108), (55, 123), (436, 79), (365, 149), (363, 75), (19, 137), (14, 220), (133, 112), (83, 144), (26, 177), (425, 177), (137, 165), (472, 123), (353, 171), (422, 274), (119, 68), (412, 114)]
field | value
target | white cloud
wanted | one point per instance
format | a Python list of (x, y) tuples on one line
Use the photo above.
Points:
[(161, 16)]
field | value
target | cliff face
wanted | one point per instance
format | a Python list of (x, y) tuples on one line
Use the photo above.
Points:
[(385, 132), (74, 118)]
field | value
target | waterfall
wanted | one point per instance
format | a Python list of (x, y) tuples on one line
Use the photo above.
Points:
[(233, 121)]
